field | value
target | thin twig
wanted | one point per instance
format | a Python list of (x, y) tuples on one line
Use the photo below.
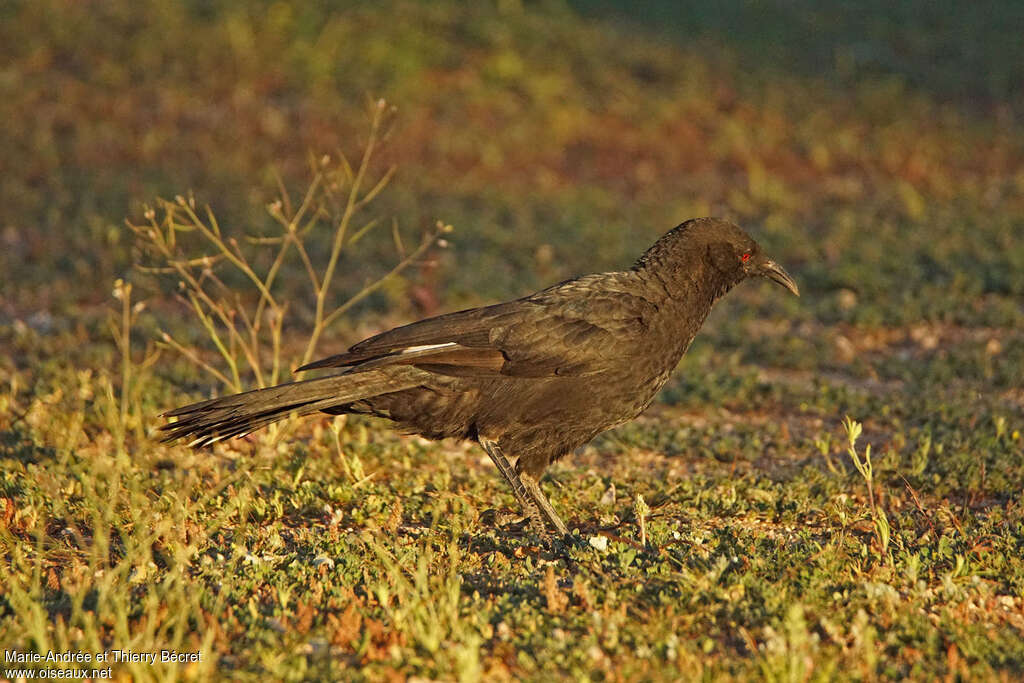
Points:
[(377, 284)]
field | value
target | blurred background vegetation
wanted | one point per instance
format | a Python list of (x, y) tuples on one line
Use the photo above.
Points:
[(874, 148)]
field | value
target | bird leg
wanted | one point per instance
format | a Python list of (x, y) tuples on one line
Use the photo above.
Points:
[(522, 494), (533, 489)]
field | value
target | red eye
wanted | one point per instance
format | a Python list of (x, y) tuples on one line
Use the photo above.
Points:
[(745, 257)]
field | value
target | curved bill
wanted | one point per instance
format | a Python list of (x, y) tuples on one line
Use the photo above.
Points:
[(773, 271)]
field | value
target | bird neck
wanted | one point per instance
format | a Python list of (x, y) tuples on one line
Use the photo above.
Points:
[(684, 292), (690, 284)]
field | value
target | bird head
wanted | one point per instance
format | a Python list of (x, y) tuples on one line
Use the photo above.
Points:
[(735, 254), (718, 245)]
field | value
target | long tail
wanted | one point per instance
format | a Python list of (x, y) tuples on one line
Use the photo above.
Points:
[(230, 416)]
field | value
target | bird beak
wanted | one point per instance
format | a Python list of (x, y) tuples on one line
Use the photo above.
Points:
[(773, 271)]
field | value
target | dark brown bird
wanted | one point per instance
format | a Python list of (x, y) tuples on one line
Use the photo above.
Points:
[(534, 378)]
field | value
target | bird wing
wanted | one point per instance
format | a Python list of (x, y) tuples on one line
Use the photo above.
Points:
[(555, 332), (460, 338)]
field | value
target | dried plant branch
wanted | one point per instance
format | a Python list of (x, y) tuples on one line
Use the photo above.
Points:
[(244, 324)]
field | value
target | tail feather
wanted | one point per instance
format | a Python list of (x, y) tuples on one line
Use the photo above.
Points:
[(222, 418)]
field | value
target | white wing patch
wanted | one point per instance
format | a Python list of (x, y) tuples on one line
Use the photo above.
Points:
[(427, 347)]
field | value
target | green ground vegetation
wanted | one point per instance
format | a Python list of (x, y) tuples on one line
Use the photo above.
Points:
[(742, 528)]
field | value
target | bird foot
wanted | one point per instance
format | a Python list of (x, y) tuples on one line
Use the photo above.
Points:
[(503, 519)]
